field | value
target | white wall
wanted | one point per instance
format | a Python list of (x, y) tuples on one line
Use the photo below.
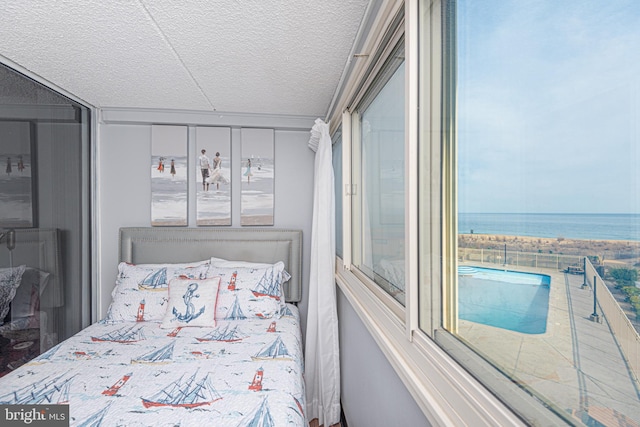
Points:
[(372, 393), (124, 182)]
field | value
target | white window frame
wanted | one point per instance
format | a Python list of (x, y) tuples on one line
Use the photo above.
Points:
[(354, 170), (442, 388)]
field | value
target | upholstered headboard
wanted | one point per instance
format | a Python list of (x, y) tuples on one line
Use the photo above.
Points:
[(39, 248), (140, 245)]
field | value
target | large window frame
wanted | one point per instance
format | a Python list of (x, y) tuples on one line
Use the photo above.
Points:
[(359, 182), (413, 337)]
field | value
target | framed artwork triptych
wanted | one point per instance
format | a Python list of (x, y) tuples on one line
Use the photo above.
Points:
[(210, 173)]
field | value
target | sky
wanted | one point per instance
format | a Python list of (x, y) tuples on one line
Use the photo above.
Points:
[(548, 106), (169, 141), (257, 143), (213, 139)]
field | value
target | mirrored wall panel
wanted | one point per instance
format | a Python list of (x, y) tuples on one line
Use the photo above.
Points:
[(45, 218), (213, 176), (169, 175), (257, 177)]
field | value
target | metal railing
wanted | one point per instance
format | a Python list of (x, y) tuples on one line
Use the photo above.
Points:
[(625, 334), (518, 258)]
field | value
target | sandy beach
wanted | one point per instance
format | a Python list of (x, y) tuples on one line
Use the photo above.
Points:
[(610, 251), (258, 220)]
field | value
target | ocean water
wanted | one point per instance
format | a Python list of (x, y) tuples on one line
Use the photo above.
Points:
[(571, 226), (169, 192)]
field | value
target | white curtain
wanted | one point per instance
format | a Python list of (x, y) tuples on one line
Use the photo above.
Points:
[(322, 359)]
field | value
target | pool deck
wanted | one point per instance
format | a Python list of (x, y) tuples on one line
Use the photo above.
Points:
[(576, 363)]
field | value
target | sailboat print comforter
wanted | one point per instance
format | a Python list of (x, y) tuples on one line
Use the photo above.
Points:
[(240, 373)]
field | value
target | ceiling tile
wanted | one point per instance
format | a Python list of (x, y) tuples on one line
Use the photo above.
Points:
[(265, 56)]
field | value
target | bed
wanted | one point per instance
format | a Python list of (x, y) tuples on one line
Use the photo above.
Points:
[(202, 330)]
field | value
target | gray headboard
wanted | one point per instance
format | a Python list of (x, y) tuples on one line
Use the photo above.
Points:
[(39, 248), (141, 245)]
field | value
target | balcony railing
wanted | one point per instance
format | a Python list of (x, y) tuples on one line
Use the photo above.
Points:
[(624, 332), (519, 259)]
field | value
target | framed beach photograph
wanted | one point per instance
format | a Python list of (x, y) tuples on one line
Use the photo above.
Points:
[(257, 175), (213, 176), (18, 178), (169, 175)]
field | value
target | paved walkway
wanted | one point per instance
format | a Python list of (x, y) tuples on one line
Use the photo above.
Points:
[(576, 365)]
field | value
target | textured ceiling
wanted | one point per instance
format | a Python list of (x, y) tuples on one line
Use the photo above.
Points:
[(249, 56)]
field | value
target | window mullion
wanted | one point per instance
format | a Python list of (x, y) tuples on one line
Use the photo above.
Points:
[(347, 181), (411, 162)]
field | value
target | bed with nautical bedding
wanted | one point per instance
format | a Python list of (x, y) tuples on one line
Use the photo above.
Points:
[(213, 341)]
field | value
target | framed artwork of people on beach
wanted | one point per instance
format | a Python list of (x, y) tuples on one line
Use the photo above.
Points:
[(169, 175), (213, 175), (18, 178), (257, 174)]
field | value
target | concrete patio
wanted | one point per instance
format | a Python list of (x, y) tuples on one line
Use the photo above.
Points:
[(576, 365)]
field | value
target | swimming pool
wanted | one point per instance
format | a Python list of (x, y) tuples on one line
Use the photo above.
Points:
[(504, 299)]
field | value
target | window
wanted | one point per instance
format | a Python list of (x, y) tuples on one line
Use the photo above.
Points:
[(545, 106), (378, 175), (378, 270), (524, 197)]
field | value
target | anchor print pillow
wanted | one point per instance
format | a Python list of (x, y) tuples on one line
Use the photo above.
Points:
[(141, 292), (249, 290), (191, 303)]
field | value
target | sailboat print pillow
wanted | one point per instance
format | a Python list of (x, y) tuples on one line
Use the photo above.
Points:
[(141, 291), (250, 292), (155, 277), (191, 303)]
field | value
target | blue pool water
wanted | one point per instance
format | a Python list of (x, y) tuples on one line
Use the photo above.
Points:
[(504, 299)]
